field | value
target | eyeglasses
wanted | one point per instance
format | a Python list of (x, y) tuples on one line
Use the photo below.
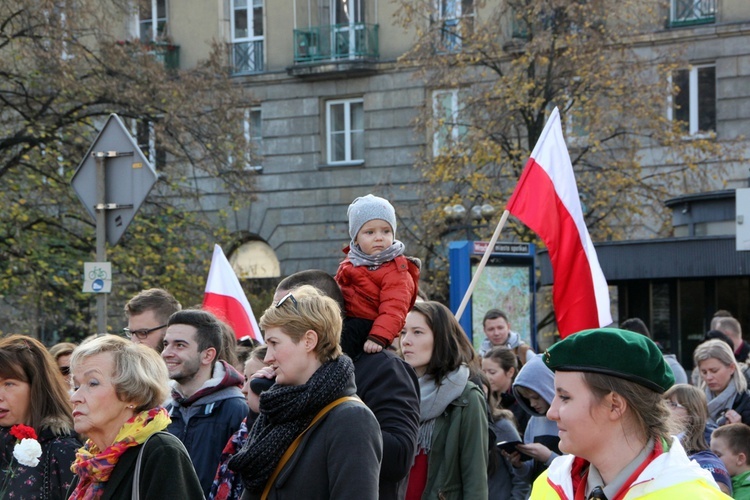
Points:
[(673, 404), (142, 333), (286, 297)]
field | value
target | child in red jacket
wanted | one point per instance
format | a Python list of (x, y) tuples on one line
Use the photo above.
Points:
[(378, 282)]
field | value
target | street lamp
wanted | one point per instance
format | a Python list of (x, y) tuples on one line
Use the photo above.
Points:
[(459, 218)]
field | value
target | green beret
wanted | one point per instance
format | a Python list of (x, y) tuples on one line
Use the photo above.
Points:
[(611, 351)]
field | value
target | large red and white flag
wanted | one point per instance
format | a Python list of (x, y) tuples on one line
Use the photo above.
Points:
[(546, 200), (226, 299)]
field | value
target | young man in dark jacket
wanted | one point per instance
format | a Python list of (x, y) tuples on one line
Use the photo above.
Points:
[(207, 405)]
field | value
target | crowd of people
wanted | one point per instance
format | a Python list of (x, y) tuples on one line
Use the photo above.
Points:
[(363, 394)]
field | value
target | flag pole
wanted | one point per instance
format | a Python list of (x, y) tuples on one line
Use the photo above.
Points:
[(483, 263)]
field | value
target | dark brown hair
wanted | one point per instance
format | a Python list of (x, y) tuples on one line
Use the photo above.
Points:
[(26, 359), (451, 347)]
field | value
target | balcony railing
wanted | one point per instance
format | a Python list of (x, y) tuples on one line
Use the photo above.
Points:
[(691, 12), (247, 57), (166, 53), (336, 42)]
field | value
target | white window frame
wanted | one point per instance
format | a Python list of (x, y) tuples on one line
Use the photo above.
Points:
[(694, 119), (250, 8), (348, 131), (451, 120), (456, 16), (154, 19)]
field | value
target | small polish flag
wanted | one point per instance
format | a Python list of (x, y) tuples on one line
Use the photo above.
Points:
[(225, 298), (546, 199)]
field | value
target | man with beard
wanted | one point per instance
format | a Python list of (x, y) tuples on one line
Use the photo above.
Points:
[(207, 405)]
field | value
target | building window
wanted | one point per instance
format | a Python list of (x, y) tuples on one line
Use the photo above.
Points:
[(252, 124), (447, 127), (247, 36), (145, 136), (455, 22), (345, 131), (152, 20), (695, 102)]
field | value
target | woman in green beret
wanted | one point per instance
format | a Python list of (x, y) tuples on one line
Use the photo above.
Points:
[(614, 424)]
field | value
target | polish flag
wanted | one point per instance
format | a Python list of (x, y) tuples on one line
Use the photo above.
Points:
[(225, 298), (546, 200)]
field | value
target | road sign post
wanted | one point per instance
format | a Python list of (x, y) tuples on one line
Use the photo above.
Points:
[(112, 181)]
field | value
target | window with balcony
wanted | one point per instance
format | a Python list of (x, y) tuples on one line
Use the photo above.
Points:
[(152, 20), (345, 36), (447, 127), (694, 105), (345, 131), (247, 36), (455, 19), (690, 12)]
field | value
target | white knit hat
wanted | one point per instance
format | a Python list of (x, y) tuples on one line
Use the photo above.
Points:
[(367, 208)]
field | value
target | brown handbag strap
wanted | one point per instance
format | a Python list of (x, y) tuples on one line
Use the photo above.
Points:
[(293, 447)]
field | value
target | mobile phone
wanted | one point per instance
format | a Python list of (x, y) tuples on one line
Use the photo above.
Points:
[(510, 447), (261, 384)]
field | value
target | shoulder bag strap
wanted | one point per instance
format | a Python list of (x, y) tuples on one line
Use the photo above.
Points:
[(136, 495), (293, 447)]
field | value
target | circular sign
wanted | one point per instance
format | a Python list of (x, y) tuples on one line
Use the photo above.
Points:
[(97, 285)]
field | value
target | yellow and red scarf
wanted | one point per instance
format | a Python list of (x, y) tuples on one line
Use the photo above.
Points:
[(94, 467)]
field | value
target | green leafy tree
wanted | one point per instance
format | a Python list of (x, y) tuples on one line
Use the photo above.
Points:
[(62, 74), (494, 71)]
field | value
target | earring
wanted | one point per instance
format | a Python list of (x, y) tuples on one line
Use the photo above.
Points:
[(131, 406)]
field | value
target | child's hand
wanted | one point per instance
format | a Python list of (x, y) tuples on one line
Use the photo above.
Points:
[(371, 347)]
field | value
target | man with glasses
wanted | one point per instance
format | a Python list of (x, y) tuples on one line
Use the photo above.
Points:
[(147, 315)]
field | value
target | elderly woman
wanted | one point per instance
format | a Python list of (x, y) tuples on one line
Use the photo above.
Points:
[(452, 453), (312, 439), (32, 393), (614, 424), (119, 386), (723, 383)]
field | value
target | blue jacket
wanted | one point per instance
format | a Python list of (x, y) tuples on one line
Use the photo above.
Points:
[(208, 422)]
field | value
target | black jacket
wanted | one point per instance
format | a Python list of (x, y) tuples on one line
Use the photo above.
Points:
[(389, 387), (166, 472)]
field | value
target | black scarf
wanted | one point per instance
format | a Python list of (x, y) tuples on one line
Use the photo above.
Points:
[(286, 411)]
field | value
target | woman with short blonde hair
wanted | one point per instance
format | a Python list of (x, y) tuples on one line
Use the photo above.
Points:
[(314, 391)]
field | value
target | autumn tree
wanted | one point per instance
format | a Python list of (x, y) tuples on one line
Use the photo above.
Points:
[(494, 71), (62, 73)]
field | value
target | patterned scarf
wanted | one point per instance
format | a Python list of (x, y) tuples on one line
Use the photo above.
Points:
[(94, 467), (286, 411), (358, 258)]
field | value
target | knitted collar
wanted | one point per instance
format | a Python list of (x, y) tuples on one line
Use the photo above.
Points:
[(358, 258), (286, 411)]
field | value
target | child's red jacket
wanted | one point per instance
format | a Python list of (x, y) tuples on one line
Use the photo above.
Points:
[(384, 295)]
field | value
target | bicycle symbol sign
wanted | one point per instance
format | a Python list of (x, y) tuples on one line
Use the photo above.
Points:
[(98, 273), (97, 277)]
